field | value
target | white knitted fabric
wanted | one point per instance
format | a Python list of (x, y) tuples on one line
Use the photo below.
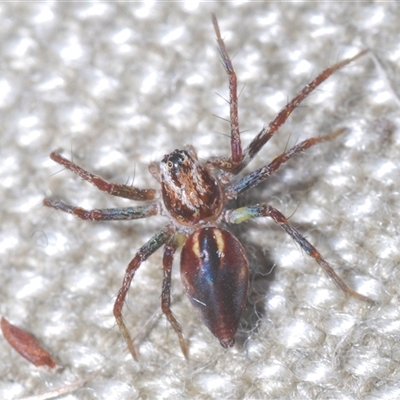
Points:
[(118, 85)]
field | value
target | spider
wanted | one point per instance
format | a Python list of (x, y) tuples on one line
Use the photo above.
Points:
[(193, 196)]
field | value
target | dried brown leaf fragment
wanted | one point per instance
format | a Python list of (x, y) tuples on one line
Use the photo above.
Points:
[(26, 345)]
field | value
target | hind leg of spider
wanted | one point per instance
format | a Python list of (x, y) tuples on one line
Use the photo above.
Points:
[(263, 173), (264, 210), (105, 214), (144, 252), (115, 189), (169, 251)]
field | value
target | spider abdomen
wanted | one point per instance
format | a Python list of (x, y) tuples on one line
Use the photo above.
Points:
[(215, 274)]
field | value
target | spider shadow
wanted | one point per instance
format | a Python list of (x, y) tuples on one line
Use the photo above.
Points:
[(262, 274)]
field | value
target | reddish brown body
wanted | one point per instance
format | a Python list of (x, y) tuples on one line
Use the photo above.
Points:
[(214, 267)]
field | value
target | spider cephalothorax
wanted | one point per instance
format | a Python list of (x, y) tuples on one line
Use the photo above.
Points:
[(190, 193)]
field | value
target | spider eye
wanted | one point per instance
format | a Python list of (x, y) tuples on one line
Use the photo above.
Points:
[(178, 161)]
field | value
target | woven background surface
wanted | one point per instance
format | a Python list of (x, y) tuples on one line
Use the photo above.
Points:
[(117, 86)]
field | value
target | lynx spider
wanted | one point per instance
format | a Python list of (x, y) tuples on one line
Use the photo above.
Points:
[(194, 194)]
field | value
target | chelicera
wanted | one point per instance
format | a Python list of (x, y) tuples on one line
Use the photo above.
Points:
[(194, 197)]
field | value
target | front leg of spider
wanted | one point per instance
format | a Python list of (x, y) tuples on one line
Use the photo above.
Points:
[(240, 159)]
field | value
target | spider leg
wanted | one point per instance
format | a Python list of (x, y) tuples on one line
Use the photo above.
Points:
[(253, 179), (144, 252), (115, 189), (169, 251), (106, 214), (236, 146), (267, 132), (246, 213)]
